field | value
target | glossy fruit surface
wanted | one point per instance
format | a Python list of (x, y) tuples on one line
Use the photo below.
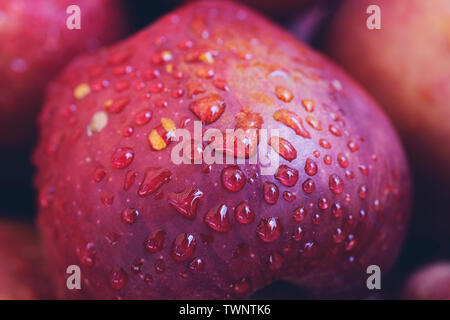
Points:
[(113, 201)]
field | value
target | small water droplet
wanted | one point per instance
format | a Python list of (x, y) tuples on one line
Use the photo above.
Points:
[(337, 210), (208, 109), (284, 94), (118, 278), (342, 160), (310, 167), (183, 247), (299, 214), (196, 265), (298, 234), (269, 229), (270, 192), (309, 186), (185, 202), (155, 241), (217, 219), (286, 175), (233, 179), (336, 184), (323, 203), (293, 121), (243, 213), (129, 215), (122, 157), (362, 191)]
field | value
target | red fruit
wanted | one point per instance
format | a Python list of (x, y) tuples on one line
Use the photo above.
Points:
[(36, 43), (431, 282), (213, 231), (22, 272), (406, 66)]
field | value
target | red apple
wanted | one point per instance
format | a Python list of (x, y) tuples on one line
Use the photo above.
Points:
[(114, 201), (406, 66), (23, 274), (36, 44), (431, 282)]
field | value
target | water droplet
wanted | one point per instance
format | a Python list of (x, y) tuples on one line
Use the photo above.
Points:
[(342, 160), (316, 219), (286, 175), (362, 191), (314, 122), (122, 157), (327, 159), (293, 121), (217, 219), (185, 202), (270, 192), (288, 196), (336, 184), (283, 147), (116, 105), (364, 169), (129, 215), (87, 254), (196, 265), (142, 117), (308, 104), (183, 247), (353, 146), (155, 241), (99, 174), (118, 278), (338, 236), (310, 167), (269, 229), (154, 178), (309, 186), (324, 144), (129, 179), (337, 210), (299, 214), (233, 179), (243, 213), (298, 234), (334, 129), (284, 94), (208, 109), (323, 203)]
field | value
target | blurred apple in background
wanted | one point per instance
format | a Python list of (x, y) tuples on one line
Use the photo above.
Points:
[(36, 43), (22, 271), (406, 66), (429, 283)]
